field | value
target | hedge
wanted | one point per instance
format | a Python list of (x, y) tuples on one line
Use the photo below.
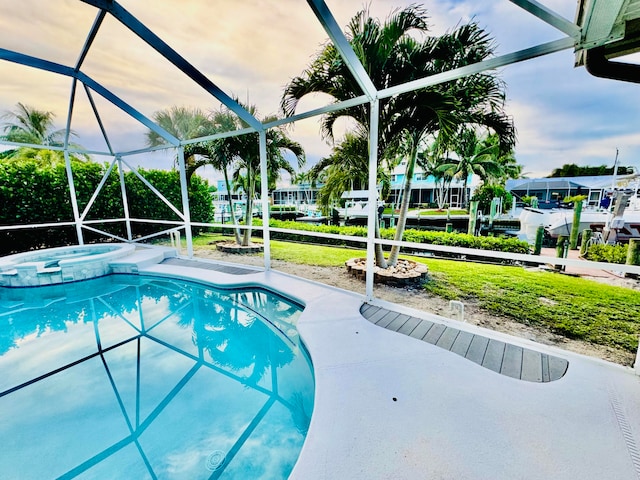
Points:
[(35, 190), (607, 253), (501, 244)]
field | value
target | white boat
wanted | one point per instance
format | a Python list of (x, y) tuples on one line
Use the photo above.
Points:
[(618, 224), (221, 212), (356, 204)]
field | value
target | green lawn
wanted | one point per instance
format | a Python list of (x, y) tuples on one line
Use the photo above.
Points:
[(431, 211), (570, 306)]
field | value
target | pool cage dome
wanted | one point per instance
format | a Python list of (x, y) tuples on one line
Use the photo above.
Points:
[(602, 30)]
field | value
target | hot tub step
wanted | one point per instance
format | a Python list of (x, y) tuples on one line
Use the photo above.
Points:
[(141, 259)]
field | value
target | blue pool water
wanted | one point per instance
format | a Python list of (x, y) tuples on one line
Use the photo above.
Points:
[(140, 377)]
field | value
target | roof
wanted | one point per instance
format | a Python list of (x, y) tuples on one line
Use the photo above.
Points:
[(544, 184), (560, 183)]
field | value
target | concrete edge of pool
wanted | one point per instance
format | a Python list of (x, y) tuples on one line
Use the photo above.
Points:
[(390, 406)]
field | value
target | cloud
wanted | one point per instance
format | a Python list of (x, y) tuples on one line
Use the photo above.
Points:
[(562, 113)]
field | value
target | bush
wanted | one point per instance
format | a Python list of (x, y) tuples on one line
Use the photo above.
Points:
[(35, 190), (512, 245), (485, 193), (607, 253), (283, 208)]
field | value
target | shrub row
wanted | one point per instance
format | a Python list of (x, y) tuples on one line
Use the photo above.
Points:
[(501, 244), (34, 191), (607, 253)]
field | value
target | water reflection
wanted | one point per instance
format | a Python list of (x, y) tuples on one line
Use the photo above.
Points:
[(182, 361)]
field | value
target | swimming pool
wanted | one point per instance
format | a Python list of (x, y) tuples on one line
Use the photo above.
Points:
[(133, 376)]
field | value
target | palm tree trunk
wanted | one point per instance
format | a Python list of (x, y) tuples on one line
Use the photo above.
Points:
[(379, 253), (248, 214), (465, 202), (404, 206), (236, 232)]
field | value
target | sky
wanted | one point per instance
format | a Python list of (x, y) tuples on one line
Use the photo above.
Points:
[(252, 49)]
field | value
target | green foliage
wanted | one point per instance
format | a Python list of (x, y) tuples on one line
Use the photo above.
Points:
[(437, 212), (410, 235), (527, 200), (485, 193), (283, 208), (573, 170), (574, 198), (607, 253), (35, 191)]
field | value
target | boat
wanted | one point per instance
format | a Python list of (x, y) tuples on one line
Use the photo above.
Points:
[(618, 223), (356, 205)]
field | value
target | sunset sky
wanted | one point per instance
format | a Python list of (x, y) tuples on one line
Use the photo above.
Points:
[(252, 48)]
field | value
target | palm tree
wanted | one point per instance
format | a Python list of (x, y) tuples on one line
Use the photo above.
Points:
[(183, 123), (430, 160), (396, 52), (509, 167), (239, 153), (245, 154), (302, 178), (474, 157), (346, 169), (186, 123), (29, 125)]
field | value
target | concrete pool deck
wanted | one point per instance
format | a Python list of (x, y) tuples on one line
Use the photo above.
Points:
[(389, 406)]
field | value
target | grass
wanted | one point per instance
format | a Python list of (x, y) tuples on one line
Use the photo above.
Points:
[(570, 306), (574, 307), (443, 213), (431, 211)]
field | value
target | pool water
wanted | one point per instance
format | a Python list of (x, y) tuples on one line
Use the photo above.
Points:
[(129, 376)]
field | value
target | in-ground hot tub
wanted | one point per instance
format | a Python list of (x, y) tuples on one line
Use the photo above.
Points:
[(60, 265)]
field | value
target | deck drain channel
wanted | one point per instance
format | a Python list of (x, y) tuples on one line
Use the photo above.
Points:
[(621, 418)]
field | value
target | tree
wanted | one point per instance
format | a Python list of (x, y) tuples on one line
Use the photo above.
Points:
[(302, 178), (26, 124), (347, 169), (245, 154), (184, 123), (486, 193), (238, 153), (509, 167), (395, 52), (573, 170), (430, 160), (29, 125), (473, 157)]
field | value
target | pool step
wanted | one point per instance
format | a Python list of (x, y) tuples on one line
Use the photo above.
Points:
[(142, 258), (501, 357)]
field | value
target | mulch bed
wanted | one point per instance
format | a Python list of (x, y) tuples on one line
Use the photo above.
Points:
[(405, 272)]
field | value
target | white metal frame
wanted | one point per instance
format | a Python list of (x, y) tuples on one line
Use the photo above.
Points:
[(573, 37)]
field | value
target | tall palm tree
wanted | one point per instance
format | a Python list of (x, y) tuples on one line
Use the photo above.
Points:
[(238, 153), (215, 153), (397, 51), (245, 152), (430, 161), (473, 157)]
